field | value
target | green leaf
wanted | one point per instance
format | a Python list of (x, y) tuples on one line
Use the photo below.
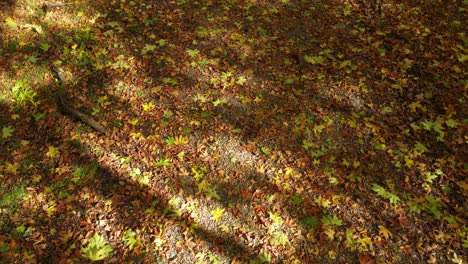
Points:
[(148, 49), (465, 242), (198, 173), (113, 24), (4, 247), (430, 177), (7, 131), (318, 153), (203, 186), (350, 237), (168, 114), (276, 218), (200, 98), (420, 147), (220, 101), (150, 21), (168, 80), (214, 259), (406, 64), (437, 126), (192, 52), (427, 124), (345, 64), (347, 10), (266, 150), (203, 62), (451, 219), (170, 140), (318, 128), (307, 144), (262, 31), (135, 172), (211, 193), (97, 248), (10, 22), (32, 59), (226, 75), (95, 166), (280, 238), (162, 163), (264, 257), (162, 42), (311, 222), (432, 206), (314, 59), (394, 199), (129, 239), (120, 64), (462, 58), (382, 51), (80, 172), (21, 229), (144, 179), (320, 76), (297, 199), (45, 46), (241, 80), (451, 123), (331, 220)]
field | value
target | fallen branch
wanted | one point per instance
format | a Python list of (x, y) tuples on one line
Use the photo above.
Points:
[(71, 110)]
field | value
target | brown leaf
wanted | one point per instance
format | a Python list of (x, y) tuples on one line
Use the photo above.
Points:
[(366, 259)]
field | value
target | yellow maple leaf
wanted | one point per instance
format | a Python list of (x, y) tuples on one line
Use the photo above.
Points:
[(330, 233), (463, 184), (336, 199), (415, 105), (384, 232), (180, 140), (216, 214), (195, 123), (456, 69), (51, 208), (345, 163), (12, 168), (290, 172), (203, 186), (52, 152), (457, 259), (318, 128), (133, 121), (409, 162), (136, 135), (365, 242)]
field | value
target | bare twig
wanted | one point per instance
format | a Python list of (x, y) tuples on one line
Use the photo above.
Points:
[(67, 109)]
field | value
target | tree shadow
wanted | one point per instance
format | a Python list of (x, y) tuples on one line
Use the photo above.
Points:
[(7, 6), (285, 89)]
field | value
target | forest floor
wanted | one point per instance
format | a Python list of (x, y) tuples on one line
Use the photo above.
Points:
[(237, 131)]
